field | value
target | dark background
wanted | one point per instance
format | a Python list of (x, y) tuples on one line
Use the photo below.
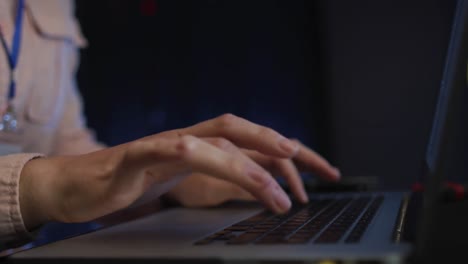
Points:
[(158, 65), (356, 80)]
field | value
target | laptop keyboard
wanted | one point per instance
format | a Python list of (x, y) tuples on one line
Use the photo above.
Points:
[(321, 221)]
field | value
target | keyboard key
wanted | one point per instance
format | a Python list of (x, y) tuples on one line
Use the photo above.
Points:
[(281, 232), (301, 224), (313, 227), (244, 238), (338, 228), (361, 226)]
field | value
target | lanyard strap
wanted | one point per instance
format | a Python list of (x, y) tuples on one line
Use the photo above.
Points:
[(13, 54)]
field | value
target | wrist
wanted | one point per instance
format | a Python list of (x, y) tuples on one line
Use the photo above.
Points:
[(32, 189)]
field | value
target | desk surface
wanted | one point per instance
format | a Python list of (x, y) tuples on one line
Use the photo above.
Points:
[(53, 232)]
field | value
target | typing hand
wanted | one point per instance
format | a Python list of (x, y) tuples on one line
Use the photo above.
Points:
[(199, 190), (84, 187)]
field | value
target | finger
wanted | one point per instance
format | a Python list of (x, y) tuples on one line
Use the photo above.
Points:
[(284, 168), (245, 134), (206, 158), (209, 191), (248, 155), (232, 191), (238, 193), (289, 171), (225, 145), (222, 191), (263, 160), (188, 153), (309, 160)]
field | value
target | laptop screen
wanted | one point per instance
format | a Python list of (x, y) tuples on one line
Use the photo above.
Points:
[(454, 79)]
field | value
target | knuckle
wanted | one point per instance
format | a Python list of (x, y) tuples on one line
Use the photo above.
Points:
[(108, 169), (186, 146), (226, 121)]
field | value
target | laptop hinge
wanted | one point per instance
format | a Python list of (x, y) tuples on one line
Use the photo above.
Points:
[(400, 224), (406, 224)]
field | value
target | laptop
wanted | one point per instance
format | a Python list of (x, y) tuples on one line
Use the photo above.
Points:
[(386, 227)]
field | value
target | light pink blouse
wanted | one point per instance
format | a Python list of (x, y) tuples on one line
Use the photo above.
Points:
[(47, 100)]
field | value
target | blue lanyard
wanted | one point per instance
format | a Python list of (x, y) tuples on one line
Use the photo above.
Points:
[(13, 54)]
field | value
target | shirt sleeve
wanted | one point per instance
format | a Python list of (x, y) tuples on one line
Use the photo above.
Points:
[(13, 233)]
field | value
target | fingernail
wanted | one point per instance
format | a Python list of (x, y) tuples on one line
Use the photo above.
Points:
[(288, 146), (282, 200)]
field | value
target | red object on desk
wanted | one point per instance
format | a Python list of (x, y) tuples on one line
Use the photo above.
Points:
[(458, 189), (417, 187), (148, 7), (455, 189)]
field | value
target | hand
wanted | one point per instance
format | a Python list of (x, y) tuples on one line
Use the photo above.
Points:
[(199, 190), (84, 187)]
